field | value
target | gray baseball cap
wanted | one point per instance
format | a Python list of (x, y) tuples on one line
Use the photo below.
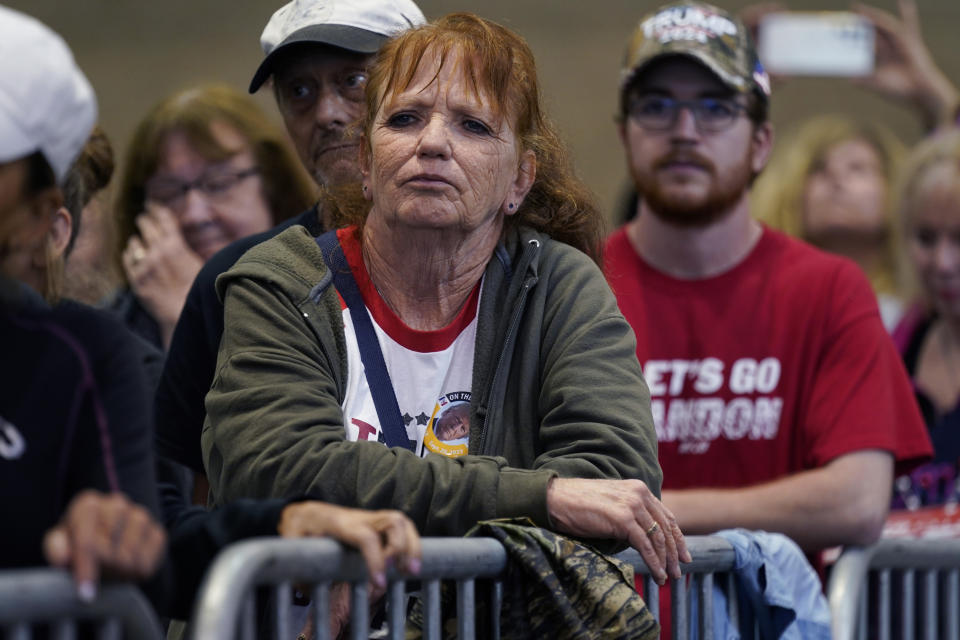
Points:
[(356, 25)]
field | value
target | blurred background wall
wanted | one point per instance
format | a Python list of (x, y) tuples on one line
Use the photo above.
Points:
[(135, 52)]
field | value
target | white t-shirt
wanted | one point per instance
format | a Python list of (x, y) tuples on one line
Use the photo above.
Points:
[(431, 371)]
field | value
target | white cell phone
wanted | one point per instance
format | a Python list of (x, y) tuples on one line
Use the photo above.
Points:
[(818, 43)]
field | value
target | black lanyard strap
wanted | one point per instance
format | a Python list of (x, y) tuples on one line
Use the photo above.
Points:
[(374, 367)]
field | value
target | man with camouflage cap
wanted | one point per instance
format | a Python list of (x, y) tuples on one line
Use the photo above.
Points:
[(779, 401)]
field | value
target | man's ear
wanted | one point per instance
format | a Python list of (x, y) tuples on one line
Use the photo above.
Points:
[(761, 145), (526, 176), (49, 202), (60, 231)]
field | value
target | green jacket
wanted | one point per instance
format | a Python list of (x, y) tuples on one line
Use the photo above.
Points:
[(557, 391)]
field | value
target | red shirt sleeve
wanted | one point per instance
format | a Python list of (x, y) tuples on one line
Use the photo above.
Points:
[(861, 398)]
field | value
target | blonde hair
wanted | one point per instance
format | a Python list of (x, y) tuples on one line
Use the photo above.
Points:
[(777, 197), (909, 188)]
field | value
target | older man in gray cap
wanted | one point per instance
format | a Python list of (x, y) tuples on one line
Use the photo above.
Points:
[(316, 56)]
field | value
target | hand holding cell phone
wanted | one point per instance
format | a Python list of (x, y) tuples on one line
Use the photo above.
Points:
[(821, 43), (898, 65), (904, 67)]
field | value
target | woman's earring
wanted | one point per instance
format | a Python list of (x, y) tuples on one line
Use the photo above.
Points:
[(510, 206)]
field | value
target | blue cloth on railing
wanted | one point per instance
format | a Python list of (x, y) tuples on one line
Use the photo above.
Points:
[(778, 591)]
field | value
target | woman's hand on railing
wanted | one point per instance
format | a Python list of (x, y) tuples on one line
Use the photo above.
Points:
[(624, 510), (381, 536), (105, 534)]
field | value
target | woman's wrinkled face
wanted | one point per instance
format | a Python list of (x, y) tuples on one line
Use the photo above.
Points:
[(214, 203), (846, 192), (933, 237), (441, 157)]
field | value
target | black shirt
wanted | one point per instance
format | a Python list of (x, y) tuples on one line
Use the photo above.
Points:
[(935, 482), (192, 358), (944, 428), (74, 414)]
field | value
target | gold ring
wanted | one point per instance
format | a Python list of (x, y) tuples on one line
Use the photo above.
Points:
[(653, 528)]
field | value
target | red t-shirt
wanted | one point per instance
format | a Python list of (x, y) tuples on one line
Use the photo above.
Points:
[(778, 365)]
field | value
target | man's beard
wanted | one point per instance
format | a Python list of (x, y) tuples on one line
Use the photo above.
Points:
[(336, 167), (684, 210), (337, 172)]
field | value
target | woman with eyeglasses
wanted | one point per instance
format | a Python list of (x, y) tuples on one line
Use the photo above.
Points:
[(205, 167)]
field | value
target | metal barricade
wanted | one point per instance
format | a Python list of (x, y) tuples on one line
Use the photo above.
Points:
[(898, 588), (713, 559), (226, 608), (45, 601)]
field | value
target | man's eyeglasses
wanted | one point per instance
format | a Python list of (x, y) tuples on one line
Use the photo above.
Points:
[(659, 113), (214, 184)]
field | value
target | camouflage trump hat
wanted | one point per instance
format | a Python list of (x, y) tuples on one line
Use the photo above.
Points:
[(709, 35)]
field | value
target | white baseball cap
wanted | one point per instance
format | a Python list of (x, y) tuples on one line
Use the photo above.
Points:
[(46, 103), (356, 25)]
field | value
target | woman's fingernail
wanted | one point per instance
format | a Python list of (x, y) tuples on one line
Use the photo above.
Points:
[(413, 566), (380, 579), (87, 591)]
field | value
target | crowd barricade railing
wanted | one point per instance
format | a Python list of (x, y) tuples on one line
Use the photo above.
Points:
[(44, 602), (713, 561), (227, 606), (897, 588)]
